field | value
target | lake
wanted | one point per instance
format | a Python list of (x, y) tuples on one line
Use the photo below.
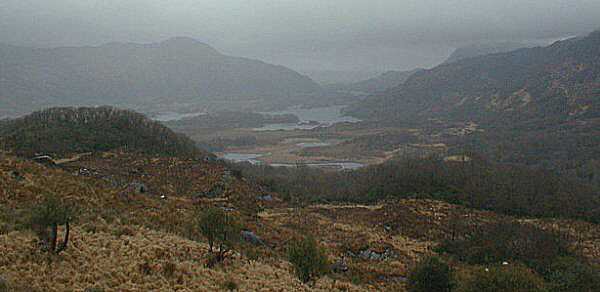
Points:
[(323, 116), (173, 116), (253, 159), (243, 157)]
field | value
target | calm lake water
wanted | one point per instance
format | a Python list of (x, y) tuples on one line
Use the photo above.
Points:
[(324, 116), (243, 157), (332, 165), (313, 144), (173, 116)]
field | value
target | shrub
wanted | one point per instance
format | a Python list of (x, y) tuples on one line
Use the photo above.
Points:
[(569, 274), (308, 259), (500, 279), (3, 285), (509, 241), (169, 269), (230, 285), (220, 229), (430, 275), (45, 219)]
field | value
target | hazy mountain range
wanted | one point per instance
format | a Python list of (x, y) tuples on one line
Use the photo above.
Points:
[(178, 70), (481, 49), (560, 81), (381, 82)]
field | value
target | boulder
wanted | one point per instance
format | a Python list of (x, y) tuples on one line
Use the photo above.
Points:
[(339, 266), (251, 237), (265, 197), (373, 255), (45, 160), (139, 188)]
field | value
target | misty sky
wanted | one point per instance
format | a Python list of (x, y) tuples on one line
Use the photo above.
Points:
[(307, 35)]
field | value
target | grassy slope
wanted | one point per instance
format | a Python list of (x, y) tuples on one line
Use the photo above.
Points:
[(116, 236)]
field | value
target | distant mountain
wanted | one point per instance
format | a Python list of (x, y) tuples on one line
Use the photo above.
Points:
[(379, 83), (62, 131), (477, 50), (560, 82), (180, 70)]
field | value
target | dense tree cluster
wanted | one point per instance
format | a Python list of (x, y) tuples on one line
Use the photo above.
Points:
[(504, 188), (60, 131)]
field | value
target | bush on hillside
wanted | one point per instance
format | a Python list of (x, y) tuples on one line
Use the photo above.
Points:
[(509, 241), (308, 259), (221, 230), (568, 274), (431, 275), (499, 279), (3, 285), (46, 217)]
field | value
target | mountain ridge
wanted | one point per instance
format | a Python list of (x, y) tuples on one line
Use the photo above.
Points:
[(557, 82), (177, 70)]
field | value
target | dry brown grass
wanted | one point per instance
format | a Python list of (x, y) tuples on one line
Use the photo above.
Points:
[(137, 262), (142, 243)]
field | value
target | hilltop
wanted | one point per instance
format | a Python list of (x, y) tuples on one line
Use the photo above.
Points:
[(69, 130), (177, 70)]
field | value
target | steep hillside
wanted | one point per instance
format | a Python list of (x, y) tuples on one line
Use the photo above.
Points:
[(176, 70), (62, 131), (482, 49), (379, 83), (560, 82)]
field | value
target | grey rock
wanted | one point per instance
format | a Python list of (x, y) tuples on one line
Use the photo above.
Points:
[(339, 266), (251, 237), (369, 254), (227, 209), (139, 188), (266, 198), (45, 160)]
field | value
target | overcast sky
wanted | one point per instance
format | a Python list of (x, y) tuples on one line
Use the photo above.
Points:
[(307, 35)]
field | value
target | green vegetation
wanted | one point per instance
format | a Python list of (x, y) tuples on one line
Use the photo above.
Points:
[(3, 285), (230, 285), (64, 131), (507, 241), (513, 278), (504, 188), (308, 259), (220, 229), (569, 274), (46, 217), (431, 275)]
